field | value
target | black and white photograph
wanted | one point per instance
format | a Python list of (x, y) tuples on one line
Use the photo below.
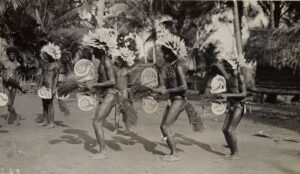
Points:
[(149, 87)]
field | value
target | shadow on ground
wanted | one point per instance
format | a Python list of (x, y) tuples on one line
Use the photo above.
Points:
[(77, 136), (148, 145), (190, 141)]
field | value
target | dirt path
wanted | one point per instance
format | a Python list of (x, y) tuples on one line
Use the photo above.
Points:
[(29, 149)]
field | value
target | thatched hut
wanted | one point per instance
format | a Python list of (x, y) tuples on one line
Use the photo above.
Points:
[(278, 59)]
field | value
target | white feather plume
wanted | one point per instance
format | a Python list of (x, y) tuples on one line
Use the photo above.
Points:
[(174, 43), (101, 38), (128, 50), (52, 50)]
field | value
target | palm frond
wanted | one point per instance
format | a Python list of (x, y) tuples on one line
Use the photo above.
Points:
[(16, 3), (75, 34), (70, 15)]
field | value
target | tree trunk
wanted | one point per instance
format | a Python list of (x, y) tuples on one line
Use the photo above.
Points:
[(100, 13), (271, 16), (153, 13), (237, 30), (277, 13), (274, 23)]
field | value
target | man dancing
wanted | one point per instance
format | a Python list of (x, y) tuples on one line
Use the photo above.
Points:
[(236, 88), (10, 83), (125, 64), (174, 53), (50, 55), (122, 87), (102, 41)]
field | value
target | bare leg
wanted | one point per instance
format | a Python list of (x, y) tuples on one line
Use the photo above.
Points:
[(51, 114), (101, 114), (170, 116), (225, 125), (117, 119), (11, 115), (229, 131), (13, 110), (45, 113), (127, 131)]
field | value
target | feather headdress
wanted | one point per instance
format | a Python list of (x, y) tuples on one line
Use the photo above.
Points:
[(174, 43), (236, 61), (102, 38), (128, 50), (52, 50), (159, 22)]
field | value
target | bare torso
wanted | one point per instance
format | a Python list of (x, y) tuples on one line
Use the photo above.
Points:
[(50, 71), (103, 76), (234, 86), (10, 69), (173, 80), (122, 79)]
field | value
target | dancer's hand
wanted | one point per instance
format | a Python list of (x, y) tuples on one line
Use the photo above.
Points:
[(161, 90), (88, 85), (53, 91)]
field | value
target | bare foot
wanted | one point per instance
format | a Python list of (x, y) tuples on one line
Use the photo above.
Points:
[(170, 158), (99, 156), (115, 132), (51, 125), (43, 124), (232, 157), (17, 122), (127, 132)]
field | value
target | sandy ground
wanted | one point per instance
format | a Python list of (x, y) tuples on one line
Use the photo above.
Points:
[(29, 149)]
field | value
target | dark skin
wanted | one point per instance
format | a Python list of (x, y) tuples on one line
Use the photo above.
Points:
[(122, 78), (50, 74), (122, 84), (105, 84), (175, 86), (9, 69), (236, 88)]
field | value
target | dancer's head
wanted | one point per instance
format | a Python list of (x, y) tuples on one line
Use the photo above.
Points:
[(102, 41), (168, 55), (50, 53), (12, 53), (173, 47)]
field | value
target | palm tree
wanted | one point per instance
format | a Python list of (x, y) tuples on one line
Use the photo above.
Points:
[(6, 4)]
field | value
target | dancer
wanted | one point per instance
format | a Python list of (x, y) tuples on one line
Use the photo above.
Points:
[(102, 41), (174, 52), (65, 69), (50, 55), (236, 94), (11, 83), (125, 103), (125, 64)]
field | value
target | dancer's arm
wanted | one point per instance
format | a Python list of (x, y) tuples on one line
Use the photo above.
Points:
[(221, 69), (242, 88), (182, 81), (110, 73), (55, 78)]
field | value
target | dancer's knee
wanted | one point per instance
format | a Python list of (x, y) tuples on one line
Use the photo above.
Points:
[(226, 131), (229, 132), (97, 123), (10, 108), (164, 129)]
